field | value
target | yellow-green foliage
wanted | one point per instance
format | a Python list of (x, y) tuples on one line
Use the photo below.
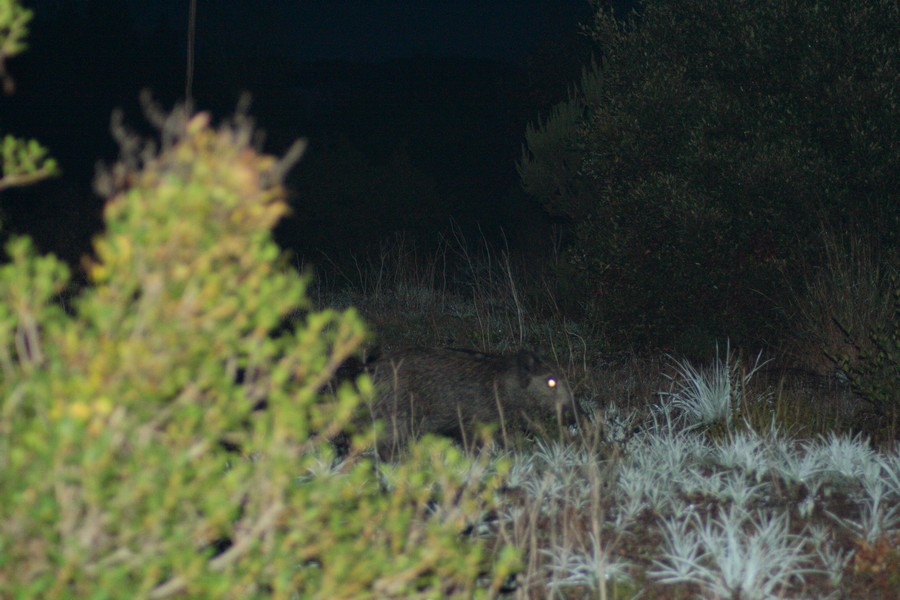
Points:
[(114, 481), (21, 162)]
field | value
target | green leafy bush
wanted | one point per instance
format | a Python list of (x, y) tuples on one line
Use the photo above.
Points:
[(116, 417), (22, 162), (716, 139)]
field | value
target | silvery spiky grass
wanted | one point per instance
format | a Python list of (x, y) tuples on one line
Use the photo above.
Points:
[(742, 450), (553, 474), (739, 554), (682, 551), (713, 395), (802, 464), (638, 489), (619, 424), (557, 512), (846, 458), (890, 465), (656, 468), (667, 452), (590, 568), (880, 510), (834, 560), (730, 486)]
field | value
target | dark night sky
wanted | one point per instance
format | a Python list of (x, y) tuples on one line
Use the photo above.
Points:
[(359, 30), (367, 30), (424, 102)]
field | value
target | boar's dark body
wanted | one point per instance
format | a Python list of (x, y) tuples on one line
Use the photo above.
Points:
[(451, 392)]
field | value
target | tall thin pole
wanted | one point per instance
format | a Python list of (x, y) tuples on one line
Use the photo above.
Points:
[(192, 30)]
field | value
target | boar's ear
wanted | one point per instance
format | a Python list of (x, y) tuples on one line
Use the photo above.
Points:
[(525, 363), (529, 363), (532, 359)]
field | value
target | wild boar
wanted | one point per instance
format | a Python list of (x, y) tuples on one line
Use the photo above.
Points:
[(453, 392)]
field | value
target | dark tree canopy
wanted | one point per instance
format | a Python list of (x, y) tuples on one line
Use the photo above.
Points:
[(702, 159)]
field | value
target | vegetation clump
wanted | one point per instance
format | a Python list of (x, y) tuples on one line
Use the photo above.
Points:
[(113, 471), (699, 162), (164, 431)]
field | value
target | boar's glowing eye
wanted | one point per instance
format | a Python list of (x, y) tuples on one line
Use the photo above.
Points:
[(551, 382)]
